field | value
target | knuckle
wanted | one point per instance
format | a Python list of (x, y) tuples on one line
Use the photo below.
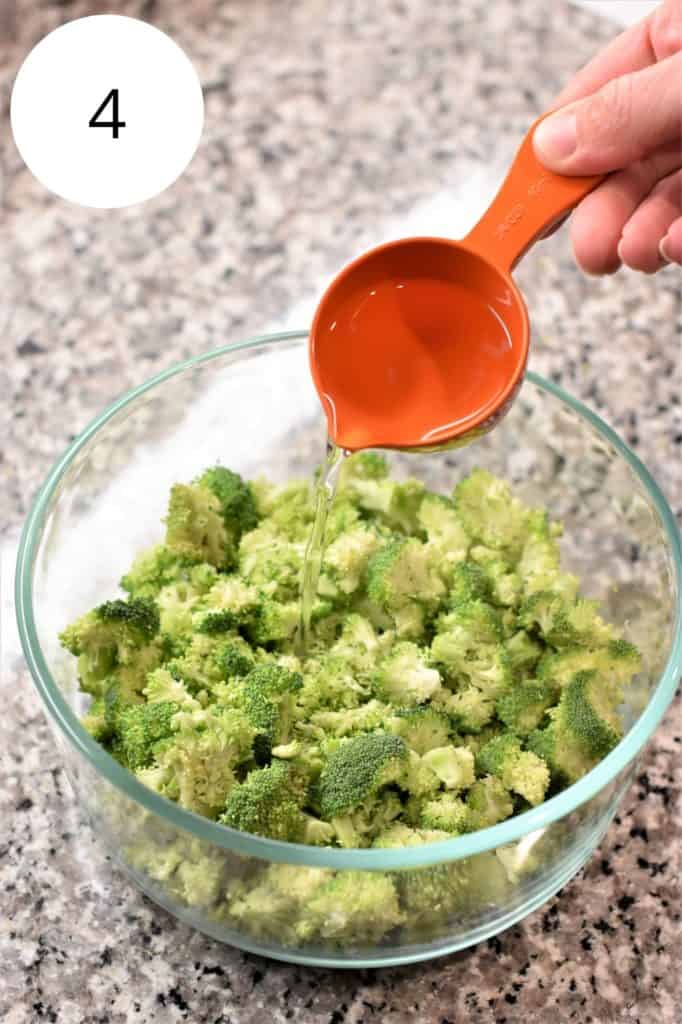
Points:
[(666, 30), (609, 112)]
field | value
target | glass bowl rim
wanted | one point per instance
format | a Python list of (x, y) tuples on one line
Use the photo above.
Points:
[(295, 853)]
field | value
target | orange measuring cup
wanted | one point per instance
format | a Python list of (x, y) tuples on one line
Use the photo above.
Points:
[(423, 342)]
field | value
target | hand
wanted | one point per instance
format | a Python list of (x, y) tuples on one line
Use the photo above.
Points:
[(623, 113)]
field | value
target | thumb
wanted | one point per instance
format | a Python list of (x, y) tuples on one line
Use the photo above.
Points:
[(621, 123)]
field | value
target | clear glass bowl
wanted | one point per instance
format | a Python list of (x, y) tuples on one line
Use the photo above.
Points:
[(252, 407)]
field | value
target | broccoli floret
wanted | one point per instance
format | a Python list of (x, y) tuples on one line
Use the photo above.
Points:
[(490, 513), (405, 676), (519, 770), (489, 802), (468, 583), (267, 696), (357, 769), (395, 505), (212, 622), (359, 827), (197, 767), (139, 727), (454, 766), (266, 558), (237, 503), (271, 904), (423, 728), (445, 534), (195, 529), (371, 715), (354, 908), (365, 465), (464, 631), (587, 711), (524, 706), (346, 559), (159, 567), (234, 660), (523, 652), (268, 803), (176, 603), (162, 687), (115, 633), (289, 507), (274, 623), (358, 646), (447, 813), (418, 778), (579, 625), (469, 709), (401, 573)]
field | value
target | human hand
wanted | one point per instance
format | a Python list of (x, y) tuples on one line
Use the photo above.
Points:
[(623, 113)]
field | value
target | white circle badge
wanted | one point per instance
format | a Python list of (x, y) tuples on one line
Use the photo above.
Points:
[(107, 111)]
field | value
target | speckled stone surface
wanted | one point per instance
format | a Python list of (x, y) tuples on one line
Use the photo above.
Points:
[(322, 121)]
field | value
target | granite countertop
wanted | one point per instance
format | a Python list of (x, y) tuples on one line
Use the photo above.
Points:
[(323, 121)]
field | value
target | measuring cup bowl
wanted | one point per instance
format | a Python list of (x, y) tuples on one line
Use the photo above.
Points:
[(449, 344), (422, 343)]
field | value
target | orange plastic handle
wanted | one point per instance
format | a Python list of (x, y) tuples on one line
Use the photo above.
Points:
[(531, 199)]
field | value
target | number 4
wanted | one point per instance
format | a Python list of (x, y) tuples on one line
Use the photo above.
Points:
[(115, 124)]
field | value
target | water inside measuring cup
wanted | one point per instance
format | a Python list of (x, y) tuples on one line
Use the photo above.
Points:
[(410, 360)]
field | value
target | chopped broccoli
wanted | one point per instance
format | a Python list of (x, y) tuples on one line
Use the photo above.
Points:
[(584, 727), (357, 769), (453, 671), (446, 812), (490, 513), (489, 802), (523, 707), (139, 727), (354, 908), (236, 500), (405, 676), (268, 803), (115, 633), (195, 529), (454, 766), (519, 770), (423, 728)]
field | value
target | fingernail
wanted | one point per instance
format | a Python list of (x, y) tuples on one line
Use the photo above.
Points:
[(665, 256), (556, 137)]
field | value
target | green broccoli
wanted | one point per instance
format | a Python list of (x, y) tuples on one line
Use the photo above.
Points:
[(422, 728), (447, 813), (490, 514), (357, 769), (400, 573), (445, 534), (198, 767), (452, 670), (235, 497), (115, 633), (488, 802), (139, 727), (454, 766), (195, 529), (268, 803), (267, 695), (354, 908), (524, 706), (405, 676), (520, 771)]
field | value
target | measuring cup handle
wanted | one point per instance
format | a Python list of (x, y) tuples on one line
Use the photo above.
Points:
[(530, 200)]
